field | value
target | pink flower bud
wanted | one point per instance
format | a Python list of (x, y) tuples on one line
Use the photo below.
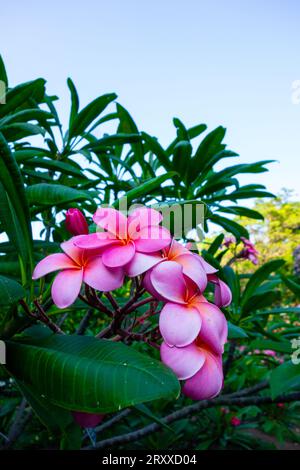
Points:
[(280, 405), (235, 421), (76, 223), (87, 420)]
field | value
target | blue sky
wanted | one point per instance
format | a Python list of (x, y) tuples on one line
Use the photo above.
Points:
[(219, 62)]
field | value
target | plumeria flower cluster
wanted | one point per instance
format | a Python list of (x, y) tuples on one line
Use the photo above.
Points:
[(193, 329)]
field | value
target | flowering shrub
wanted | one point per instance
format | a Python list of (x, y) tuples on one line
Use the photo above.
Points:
[(115, 322), (194, 330)]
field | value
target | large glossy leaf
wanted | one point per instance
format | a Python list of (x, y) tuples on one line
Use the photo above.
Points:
[(10, 291), (54, 194), (12, 181), (284, 378), (83, 373)]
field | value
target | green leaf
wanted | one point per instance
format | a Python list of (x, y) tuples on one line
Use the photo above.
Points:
[(216, 244), (145, 189), (181, 158), (260, 300), (54, 194), (242, 212), (233, 281), (19, 130), (128, 126), (284, 378), (86, 374), (230, 226), (55, 419), (235, 332), (156, 148), (88, 114), (12, 181), (260, 276), (74, 101), (292, 285), (3, 74), (10, 291), (209, 146), (21, 96), (55, 165)]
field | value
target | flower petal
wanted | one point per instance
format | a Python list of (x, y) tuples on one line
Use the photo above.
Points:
[(168, 280), (73, 251), (176, 249), (208, 268), (214, 326), (66, 287), (208, 382), (193, 269), (98, 276), (111, 220), (142, 217), (52, 263), (141, 263), (223, 296), (184, 362), (179, 325), (149, 287), (95, 240), (119, 255), (152, 238)]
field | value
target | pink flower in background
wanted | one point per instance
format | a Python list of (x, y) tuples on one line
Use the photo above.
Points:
[(124, 237), (87, 420), (198, 366), (269, 352), (249, 252), (186, 311), (235, 421), (223, 296), (76, 223), (77, 266), (228, 241)]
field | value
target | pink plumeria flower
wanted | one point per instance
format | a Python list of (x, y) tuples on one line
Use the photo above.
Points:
[(193, 266), (186, 311), (76, 223), (269, 352), (222, 295), (76, 266), (235, 421), (124, 237), (249, 252), (200, 367)]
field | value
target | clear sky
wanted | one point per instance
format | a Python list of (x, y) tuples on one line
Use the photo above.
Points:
[(218, 62)]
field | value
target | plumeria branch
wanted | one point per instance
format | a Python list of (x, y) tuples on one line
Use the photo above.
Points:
[(227, 400)]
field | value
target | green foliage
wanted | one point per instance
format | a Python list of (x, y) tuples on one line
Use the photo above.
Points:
[(83, 166)]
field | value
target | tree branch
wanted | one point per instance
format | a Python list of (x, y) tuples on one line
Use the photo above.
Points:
[(191, 410)]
